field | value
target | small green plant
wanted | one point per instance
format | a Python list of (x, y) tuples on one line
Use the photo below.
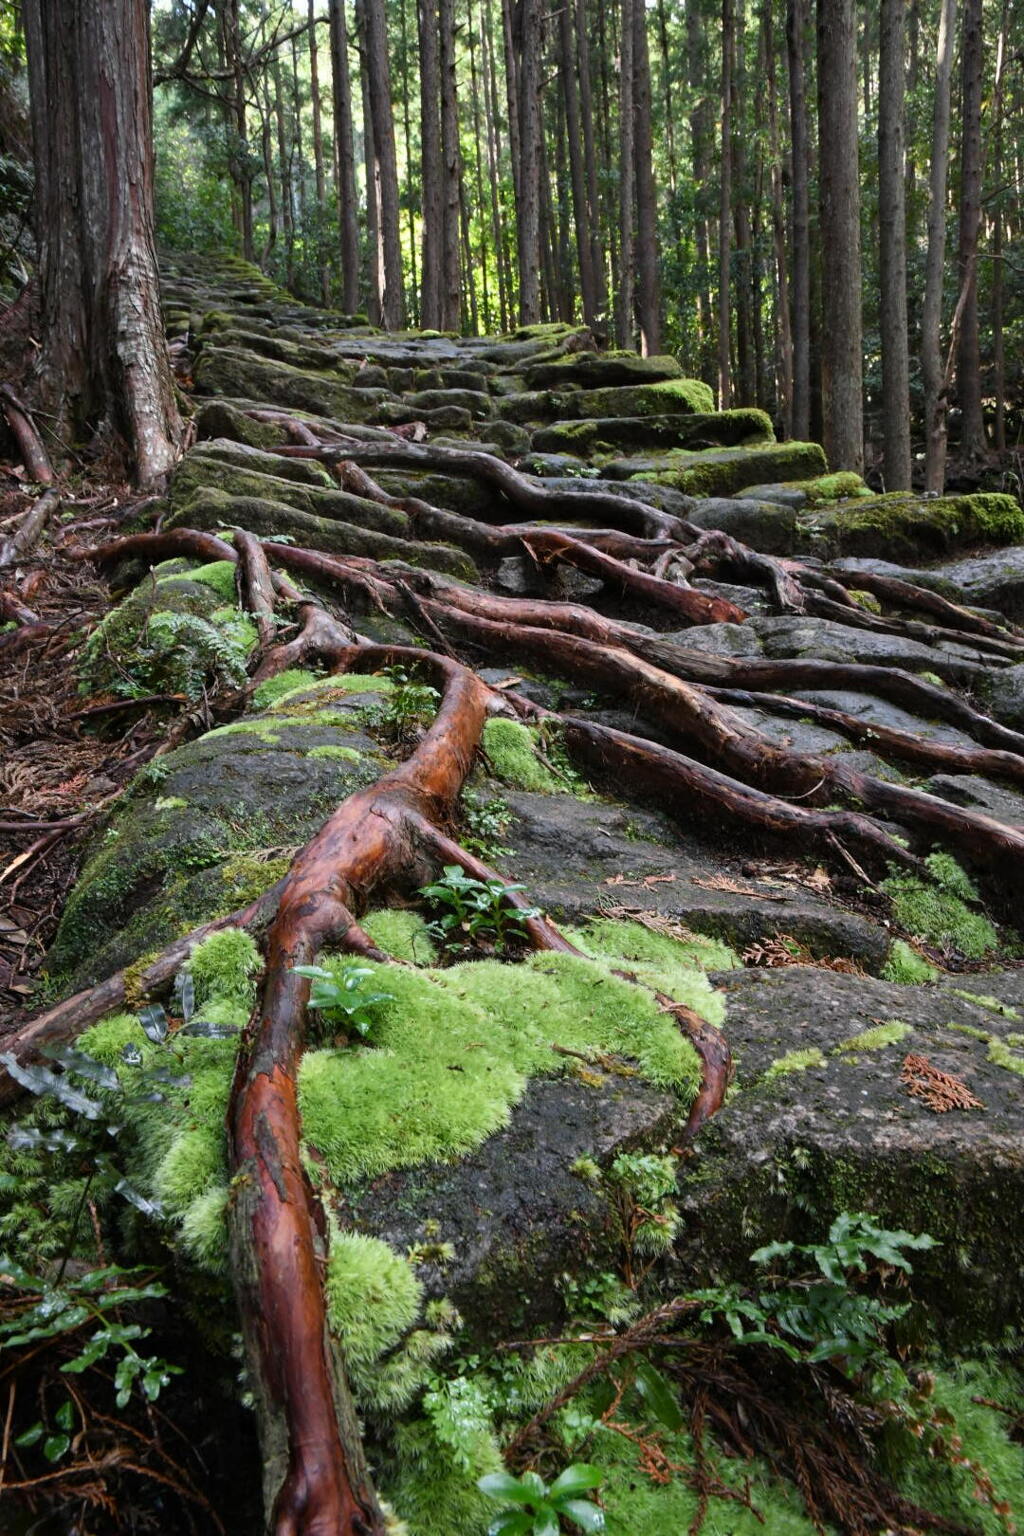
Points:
[(535, 1508), (41, 1310), (486, 822), (408, 709), (475, 912), (640, 1189), (343, 996), (819, 1314)]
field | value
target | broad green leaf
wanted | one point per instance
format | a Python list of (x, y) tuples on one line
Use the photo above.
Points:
[(582, 1513), (513, 1490), (512, 1522), (658, 1396), (56, 1446), (577, 1478), (31, 1436), (153, 1019)]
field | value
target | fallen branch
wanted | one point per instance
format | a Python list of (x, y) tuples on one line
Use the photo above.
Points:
[(34, 455), (29, 531)]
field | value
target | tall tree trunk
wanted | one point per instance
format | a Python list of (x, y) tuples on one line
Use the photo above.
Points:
[(648, 289), (318, 151), (597, 266), (893, 248), (839, 181), (998, 357), (285, 169), (371, 174), (492, 132), (627, 175), (796, 35), (783, 327), (344, 147), (103, 367), (431, 317), (410, 169), (935, 388), (240, 162), (267, 144), (378, 79), (580, 206), (725, 211), (451, 169), (968, 364), (478, 81), (700, 150), (529, 190)]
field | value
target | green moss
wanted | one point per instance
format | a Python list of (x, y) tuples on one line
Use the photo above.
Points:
[(511, 749), (723, 471), (636, 1506), (171, 803), (876, 1039), (965, 1391), (295, 679), (866, 600), (938, 913), (899, 525), (795, 1061), (224, 967), (169, 636), (906, 967), (982, 1000), (320, 690), (372, 1296), (218, 574), (827, 488), (247, 877), (1002, 1054), (434, 1485), (342, 754), (661, 962), (261, 728), (454, 1049), (401, 933)]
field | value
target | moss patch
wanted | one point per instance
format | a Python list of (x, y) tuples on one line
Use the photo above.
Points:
[(218, 574), (294, 680), (898, 526), (939, 912), (401, 933), (876, 1039), (795, 1061), (512, 751), (906, 967), (453, 1050)]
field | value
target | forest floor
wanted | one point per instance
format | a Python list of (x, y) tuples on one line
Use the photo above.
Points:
[(750, 736)]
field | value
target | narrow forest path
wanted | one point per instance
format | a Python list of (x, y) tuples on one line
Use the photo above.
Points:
[(524, 612)]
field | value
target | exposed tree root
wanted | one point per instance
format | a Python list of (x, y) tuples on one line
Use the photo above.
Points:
[(30, 530)]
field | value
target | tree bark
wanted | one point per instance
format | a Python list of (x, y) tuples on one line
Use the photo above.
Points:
[(530, 18), (378, 77), (627, 175), (451, 170), (648, 289), (318, 149), (796, 32), (892, 228), (576, 150), (968, 367), (935, 397), (590, 162), (103, 367), (725, 211), (345, 156), (431, 173), (842, 345)]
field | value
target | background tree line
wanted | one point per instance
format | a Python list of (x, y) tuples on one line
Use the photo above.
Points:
[(814, 204)]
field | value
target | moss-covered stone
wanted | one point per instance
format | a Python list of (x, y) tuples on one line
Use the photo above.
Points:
[(233, 372), (199, 473), (724, 471), (901, 527), (595, 370), (215, 510), (219, 420), (692, 430)]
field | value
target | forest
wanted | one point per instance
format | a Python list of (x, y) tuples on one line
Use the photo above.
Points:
[(511, 767)]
